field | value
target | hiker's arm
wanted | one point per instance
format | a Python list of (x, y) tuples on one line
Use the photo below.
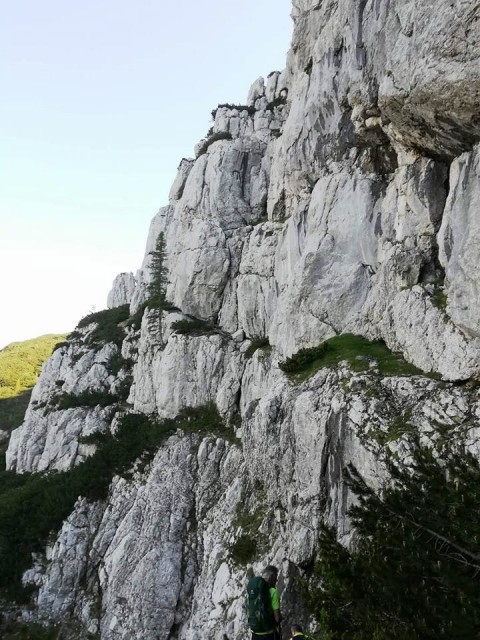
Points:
[(278, 616)]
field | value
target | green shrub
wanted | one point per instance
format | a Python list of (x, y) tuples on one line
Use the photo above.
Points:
[(108, 327), (220, 135), (244, 549), (239, 107), (414, 571), (281, 100), (192, 326), (440, 299), (85, 399), (135, 320), (300, 360), (260, 342), (356, 350), (118, 362)]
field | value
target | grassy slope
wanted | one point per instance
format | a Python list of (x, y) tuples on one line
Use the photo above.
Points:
[(20, 365)]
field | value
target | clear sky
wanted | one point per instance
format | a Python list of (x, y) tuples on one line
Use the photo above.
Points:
[(100, 101)]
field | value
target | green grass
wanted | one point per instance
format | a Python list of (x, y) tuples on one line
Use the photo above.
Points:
[(357, 351), (34, 505), (20, 365), (259, 342)]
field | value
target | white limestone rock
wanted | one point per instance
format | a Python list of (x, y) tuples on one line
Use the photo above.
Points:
[(123, 290), (459, 242), (48, 437)]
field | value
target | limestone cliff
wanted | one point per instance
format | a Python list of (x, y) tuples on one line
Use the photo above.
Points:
[(341, 198)]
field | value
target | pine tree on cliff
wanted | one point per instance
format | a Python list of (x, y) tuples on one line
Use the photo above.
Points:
[(157, 287)]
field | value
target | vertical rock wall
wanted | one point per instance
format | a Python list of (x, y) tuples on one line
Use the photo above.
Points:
[(340, 198)]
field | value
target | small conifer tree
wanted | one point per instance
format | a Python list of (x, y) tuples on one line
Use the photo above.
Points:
[(157, 288)]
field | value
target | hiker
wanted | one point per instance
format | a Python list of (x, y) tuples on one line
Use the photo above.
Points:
[(297, 632), (263, 605)]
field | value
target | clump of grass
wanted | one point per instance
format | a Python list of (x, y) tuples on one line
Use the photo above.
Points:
[(259, 342), (220, 135), (439, 299), (108, 327), (192, 326), (86, 399), (359, 352), (239, 107)]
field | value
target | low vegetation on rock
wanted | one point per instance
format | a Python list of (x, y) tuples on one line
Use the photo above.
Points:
[(358, 352), (108, 329), (220, 135), (414, 571), (192, 326), (32, 505), (238, 107), (259, 342)]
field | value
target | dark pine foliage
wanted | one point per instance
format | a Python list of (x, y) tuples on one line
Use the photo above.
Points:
[(158, 285), (414, 573)]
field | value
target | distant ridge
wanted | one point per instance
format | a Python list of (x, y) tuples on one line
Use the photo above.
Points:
[(20, 365)]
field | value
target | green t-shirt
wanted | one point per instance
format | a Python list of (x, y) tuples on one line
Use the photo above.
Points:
[(275, 602), (274, 599)]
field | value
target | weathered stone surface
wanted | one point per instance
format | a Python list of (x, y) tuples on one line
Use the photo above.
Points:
[(123, 290), (343, 199), (459, 242), (48, 437)]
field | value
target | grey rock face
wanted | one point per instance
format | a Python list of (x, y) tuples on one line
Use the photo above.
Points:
[(123, 290), (340, 198), (459, 240)]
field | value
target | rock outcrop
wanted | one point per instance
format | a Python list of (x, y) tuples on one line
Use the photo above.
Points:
[(339, 199)]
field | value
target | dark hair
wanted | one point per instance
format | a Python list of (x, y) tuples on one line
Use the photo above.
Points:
[(270, 572), (296, 627)]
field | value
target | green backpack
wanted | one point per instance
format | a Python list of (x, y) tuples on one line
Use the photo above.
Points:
[(259, 608)]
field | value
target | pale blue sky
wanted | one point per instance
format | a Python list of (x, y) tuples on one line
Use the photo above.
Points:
[(100, 101)]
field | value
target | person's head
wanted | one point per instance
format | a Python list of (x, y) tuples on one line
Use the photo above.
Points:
[(270, 575), (296, 628)]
